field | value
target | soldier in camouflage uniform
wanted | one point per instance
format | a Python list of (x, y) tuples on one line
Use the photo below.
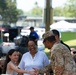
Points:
[(62, 62)]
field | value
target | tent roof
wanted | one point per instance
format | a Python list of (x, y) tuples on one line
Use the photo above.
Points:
[(62, 24)]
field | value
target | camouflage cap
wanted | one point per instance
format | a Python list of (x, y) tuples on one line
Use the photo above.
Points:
[(47, 34)]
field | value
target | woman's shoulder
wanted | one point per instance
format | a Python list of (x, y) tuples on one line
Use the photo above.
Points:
[(11, 64)]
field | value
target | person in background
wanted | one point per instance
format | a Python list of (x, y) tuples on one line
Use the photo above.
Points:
[(12, 59), (73, 52), (33, 59), (33, 35), (57, 36), (1, 65), (23, 47), (62, 62)]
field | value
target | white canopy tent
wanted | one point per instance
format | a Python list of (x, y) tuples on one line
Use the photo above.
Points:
[(63, 26)]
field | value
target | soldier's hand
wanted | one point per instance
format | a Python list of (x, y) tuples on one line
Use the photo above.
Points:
[(36, 71)]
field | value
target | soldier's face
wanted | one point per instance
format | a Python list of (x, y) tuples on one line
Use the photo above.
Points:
[(47, 44)]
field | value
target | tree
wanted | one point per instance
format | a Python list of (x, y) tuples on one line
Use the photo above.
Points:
[(8, 11), (3, 5), (58, 11), (37, 11), (70, 8)]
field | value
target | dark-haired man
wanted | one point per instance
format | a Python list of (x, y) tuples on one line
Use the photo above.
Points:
[(57, 36), (33, 35)]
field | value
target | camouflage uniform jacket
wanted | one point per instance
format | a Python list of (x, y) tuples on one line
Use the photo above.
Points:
[(62, 62)]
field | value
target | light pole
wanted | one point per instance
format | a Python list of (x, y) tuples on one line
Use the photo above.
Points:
[(48, 14)]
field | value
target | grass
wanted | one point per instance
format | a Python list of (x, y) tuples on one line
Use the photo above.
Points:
[(69, 38), (71, 43)]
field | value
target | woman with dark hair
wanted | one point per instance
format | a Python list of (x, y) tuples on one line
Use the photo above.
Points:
[(33, 59)]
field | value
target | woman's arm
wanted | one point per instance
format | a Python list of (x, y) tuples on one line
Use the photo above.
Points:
[(15, 68)]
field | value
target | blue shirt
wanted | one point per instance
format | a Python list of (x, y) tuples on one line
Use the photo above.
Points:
[(33, 35)]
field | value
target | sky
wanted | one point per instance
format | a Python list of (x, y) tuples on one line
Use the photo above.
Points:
[(27, 5)]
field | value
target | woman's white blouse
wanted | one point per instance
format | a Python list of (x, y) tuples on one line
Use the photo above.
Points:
[(39, 61)]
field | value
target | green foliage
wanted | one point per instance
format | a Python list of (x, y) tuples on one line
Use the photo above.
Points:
[(3, 5), (58, 11), (69, 9), (20, 11), (9, 11), (37, 11)]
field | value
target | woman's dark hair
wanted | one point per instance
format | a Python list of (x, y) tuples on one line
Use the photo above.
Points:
[(8, 59), (50, 39)]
